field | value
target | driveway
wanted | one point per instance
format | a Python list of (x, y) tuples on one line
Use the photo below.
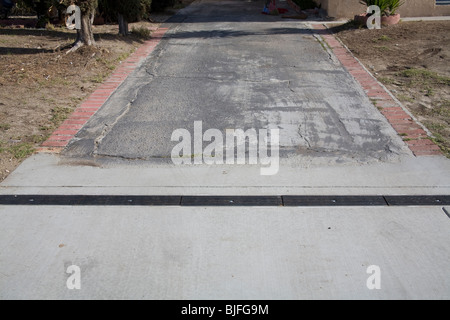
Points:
[(230, 67), (116, 208)]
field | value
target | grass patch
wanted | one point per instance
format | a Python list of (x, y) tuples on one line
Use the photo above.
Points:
[(383, 48), (38, 138), (124, 56), (5, 126), (59, 114), (106, 63), (442, 143), (97, 79), (429, 92), (423, 76), (141, 32), (403, 97), (442, 111), (386, 80), (21, 150)]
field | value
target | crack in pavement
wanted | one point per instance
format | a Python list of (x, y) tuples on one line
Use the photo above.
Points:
[(108, 127)]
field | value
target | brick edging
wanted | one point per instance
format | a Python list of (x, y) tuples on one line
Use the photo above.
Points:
[(69, 128), (403, 123)]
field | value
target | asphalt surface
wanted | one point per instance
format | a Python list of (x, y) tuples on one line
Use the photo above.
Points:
[(230, 67)]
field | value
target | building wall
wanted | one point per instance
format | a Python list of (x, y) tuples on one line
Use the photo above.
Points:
[(412, 8)]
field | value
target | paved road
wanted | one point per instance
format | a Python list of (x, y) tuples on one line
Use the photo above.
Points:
[(225, 64)]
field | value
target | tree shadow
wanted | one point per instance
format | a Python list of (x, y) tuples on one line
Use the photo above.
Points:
[(232, 34), (60, 36)]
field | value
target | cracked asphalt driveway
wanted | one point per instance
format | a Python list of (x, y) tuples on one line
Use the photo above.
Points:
[(225, 64)]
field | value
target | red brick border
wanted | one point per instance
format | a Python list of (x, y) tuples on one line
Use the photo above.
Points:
[(69, 128), (413, 134)]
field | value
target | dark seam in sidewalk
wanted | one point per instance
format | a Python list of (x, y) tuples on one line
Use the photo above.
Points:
[(226, 201)]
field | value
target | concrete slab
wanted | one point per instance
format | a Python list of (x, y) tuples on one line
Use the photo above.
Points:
[(223, 253), (50, 174), (230, 253)]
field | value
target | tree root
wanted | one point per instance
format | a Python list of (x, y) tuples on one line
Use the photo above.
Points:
[(77, 45)]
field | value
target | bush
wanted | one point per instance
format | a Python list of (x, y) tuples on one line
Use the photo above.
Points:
[(40, 7), (133, 10), (387, 7), (160, 5), (22, 9), (141, 32)]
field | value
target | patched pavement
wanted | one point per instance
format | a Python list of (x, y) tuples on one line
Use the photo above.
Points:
[(229, 66)]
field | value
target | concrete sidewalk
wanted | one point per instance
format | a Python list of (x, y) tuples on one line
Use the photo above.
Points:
[(224, 63), (222, 253)]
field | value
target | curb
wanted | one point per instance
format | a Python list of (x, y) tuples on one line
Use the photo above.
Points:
[(414, 134), (69, 128)]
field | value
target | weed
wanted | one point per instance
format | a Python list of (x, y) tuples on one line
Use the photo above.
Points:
[(59, 114), (124, 56), (50, 27), (38, 138), (5, 126), (403, 97), (97, 79), (422, 76), (386, 80), (383, 48), (429, 92), (45, 128), (21, 150), (141, 32)]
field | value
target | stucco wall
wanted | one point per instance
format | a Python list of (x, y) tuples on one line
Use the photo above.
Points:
[(411, 8)]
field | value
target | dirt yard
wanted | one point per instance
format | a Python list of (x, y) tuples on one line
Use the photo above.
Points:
[(412, 59), (40, 85)]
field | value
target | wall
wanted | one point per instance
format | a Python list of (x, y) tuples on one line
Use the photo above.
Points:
[(412, 8)]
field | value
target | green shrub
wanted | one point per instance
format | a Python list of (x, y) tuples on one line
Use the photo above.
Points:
[(160, 5), (132, 10), (141, 32), (387, 7)]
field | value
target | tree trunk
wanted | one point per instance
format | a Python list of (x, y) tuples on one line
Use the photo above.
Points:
[(123, 25), (85, 36)]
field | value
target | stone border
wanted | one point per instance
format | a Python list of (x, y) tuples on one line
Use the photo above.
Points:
[(70, 127), (414, 135)]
